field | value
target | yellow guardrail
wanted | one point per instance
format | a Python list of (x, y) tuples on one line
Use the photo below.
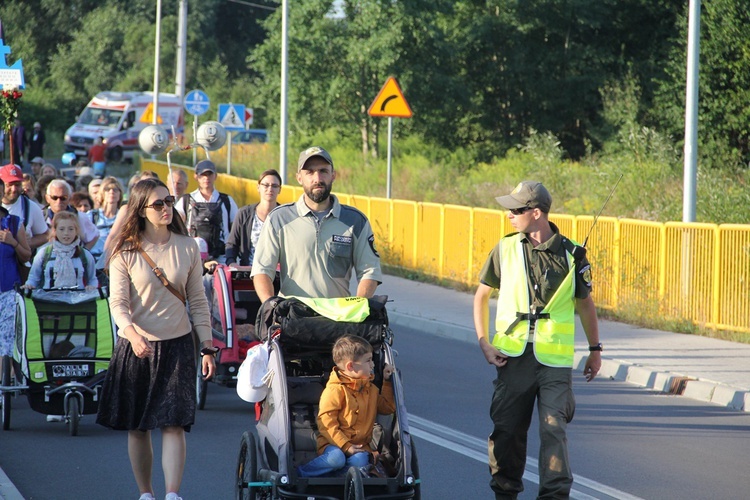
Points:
[(692, 272)]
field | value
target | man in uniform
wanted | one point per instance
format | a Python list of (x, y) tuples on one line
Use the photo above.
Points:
[(543, 280), (317, 241)]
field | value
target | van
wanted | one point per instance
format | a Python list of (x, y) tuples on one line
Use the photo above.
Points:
[(116, 116)]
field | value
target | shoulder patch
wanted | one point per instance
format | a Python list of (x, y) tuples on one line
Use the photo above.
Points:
[(371, 241), (585, 273)]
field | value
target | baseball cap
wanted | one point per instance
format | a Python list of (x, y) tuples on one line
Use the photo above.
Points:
[(309, 153), (205, 166), (530, 194), (38, 159), (11, 173)]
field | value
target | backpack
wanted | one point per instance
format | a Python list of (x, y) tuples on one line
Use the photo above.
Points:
[(205, 220)]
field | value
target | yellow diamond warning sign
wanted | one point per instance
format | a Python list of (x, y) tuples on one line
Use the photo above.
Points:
[(148, 115), (390, 102)]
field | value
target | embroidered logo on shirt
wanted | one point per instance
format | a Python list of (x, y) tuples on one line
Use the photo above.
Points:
[(346, 240), (586, 275)]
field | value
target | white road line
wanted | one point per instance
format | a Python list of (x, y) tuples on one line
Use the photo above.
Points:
[(476, 449)]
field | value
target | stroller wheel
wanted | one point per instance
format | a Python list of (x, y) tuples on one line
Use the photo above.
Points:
[(5, 402), (73, 416), (247, 469), (353, 487), (201, 387)]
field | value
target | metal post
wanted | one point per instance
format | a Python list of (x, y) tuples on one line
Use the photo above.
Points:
[(195, 138), (157, 55), (283, 120), (179, 77), (229, 153), (691, 114), (390, 139)]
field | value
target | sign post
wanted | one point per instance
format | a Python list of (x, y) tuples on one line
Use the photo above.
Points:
[(390, 102), (232, 116), (196, 103)]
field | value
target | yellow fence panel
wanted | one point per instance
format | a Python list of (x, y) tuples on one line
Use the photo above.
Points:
[(602, 253), (687, 275), (488, 227), (641, 248), (456, 232), (732, 299), (380, 220), (402, 249), (429, 242)]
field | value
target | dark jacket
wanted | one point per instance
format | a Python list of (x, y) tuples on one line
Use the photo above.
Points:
[(239, 246)]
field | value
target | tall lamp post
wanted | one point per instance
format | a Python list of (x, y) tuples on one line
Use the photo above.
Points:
[(283, 121), (157, 55)]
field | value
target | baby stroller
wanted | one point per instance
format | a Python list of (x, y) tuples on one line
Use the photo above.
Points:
[(299, 343), (64, 341), (234, 305)]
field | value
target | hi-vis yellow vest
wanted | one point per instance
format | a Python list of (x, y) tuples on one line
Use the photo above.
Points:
[(554, 330)]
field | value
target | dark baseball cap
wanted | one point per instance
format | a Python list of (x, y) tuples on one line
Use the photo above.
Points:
[(530, 194), (309, 153), (204, 166)]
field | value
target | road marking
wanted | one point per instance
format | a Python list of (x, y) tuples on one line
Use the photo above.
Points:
[(476, 449)]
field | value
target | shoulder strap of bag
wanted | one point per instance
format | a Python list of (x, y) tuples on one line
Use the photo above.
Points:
[(160, 274)]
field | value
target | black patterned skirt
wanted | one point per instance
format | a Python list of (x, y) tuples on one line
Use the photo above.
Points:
[(150, 393)]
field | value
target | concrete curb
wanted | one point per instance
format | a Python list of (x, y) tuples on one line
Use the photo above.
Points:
[(8, 490), (643, 376)]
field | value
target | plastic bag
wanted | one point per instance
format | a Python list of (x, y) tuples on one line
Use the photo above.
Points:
[(251, 377)]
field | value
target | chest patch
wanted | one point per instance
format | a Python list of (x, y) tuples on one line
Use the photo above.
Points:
[(345, 240)]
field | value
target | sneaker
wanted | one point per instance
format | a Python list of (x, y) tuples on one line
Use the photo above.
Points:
[(54, 418), (172, 496), (147, 496)]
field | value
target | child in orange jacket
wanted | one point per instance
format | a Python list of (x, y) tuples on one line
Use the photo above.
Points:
[(348, 407)]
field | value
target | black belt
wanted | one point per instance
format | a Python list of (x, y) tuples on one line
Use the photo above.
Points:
[(526, 317)]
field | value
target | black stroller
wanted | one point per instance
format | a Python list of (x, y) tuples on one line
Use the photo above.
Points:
[(299, 342)]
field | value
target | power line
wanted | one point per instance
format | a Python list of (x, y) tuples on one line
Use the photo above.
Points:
[(249, 4)]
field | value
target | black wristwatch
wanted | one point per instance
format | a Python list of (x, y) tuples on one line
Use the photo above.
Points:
[(597, 347), (209, 351)]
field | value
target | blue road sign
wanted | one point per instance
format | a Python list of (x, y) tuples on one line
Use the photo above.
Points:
[(196, 102), (232, 116)]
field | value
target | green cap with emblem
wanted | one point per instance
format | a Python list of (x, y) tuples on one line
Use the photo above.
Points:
[(309, 153), (530, 194)]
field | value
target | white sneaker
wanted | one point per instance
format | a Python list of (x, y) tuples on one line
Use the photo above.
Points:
[(172, 496), (54, 418), (147, 496)]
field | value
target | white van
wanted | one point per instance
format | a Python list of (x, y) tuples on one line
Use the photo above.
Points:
[(116, 116)]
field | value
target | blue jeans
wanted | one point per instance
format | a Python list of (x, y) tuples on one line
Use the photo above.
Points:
[(331, 460)]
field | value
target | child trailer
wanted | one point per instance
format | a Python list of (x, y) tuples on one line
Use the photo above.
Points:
[(299, 343), (233, 304), (64, 341)]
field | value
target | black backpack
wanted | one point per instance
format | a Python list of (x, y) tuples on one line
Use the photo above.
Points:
[(205, 220)]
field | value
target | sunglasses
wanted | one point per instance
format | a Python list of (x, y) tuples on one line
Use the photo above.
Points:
[(519, 211), (55, 198), (160, 204)]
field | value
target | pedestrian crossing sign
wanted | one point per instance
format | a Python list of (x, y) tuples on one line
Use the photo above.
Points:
[(232, 116)]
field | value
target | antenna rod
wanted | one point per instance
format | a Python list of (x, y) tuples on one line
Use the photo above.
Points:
[(602, 210)]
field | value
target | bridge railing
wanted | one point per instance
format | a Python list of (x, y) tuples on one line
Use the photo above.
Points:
[(684, 272)]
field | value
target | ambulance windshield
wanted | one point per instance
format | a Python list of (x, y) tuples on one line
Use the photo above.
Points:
[(100, 117)]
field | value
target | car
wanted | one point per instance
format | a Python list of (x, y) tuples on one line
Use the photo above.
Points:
[(250, 135)]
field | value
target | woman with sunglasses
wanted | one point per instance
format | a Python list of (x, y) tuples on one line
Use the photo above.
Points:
[(150, 384), (240, 247)]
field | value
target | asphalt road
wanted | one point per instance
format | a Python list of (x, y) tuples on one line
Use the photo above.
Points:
[(625, 442)]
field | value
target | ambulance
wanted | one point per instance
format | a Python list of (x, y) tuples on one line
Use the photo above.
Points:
[(118, 117)]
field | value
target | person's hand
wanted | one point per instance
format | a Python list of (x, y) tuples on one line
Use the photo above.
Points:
[(7, 237), (208, 366), (492, 354), (141, 347), (387, 371), (210, 266), (355, 448), (593, 365), (27, 287)]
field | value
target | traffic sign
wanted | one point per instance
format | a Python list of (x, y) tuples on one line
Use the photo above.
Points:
[(390, 102), (148, 115), (11, 77), (196, 102), (248, 117), (232, 116)]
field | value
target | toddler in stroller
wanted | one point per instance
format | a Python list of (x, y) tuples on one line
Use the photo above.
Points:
[(348, 409)]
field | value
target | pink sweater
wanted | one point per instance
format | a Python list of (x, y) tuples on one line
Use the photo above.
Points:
[(138, 298)]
